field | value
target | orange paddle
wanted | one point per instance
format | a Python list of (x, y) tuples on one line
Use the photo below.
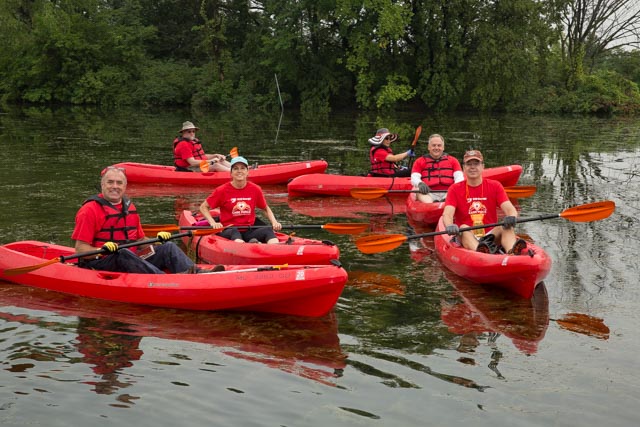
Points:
[(377, 243), (517, 192)]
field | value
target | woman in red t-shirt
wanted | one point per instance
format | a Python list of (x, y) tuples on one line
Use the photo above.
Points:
[(237, 201)]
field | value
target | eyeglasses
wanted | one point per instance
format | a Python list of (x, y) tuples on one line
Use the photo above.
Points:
[(472, 163), (190, 131)]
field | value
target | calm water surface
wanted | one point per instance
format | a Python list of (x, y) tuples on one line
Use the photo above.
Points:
[(407, 344)]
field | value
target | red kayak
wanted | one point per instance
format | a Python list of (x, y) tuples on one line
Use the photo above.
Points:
[(305, 346), (291, 250), (423, 213), (341, 185), (482, 309), (298, 290), (275, 173), (518, 273)]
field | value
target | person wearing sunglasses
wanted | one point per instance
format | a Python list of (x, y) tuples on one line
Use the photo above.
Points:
[(108, 219), (474, 202), (383, 162), (188, 153)]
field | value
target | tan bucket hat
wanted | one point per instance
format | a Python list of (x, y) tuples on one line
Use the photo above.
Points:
[(188, 126)]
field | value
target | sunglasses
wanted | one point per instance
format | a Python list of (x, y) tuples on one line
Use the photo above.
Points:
[(114, 168)]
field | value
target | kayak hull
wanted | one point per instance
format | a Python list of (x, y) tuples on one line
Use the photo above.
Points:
[(297, 290), (341, 185), (275, 173), (517, 273), (214, 249), (423, 213)]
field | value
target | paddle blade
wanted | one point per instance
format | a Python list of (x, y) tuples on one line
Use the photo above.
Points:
[(346, 227), (234, 152), (584, 324), (207, 231), (28, 269), (417, 136), (377, 243), (204, 166), (589, 212), (521, 191), (368, 193), (153, 229)]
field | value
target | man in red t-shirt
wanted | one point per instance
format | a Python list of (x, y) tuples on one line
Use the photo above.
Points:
[(474, 202), (238, 201)]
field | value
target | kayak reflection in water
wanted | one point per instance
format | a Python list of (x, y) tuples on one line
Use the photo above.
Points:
[(108, 351)]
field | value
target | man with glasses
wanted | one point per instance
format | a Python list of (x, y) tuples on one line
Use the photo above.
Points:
[(474, 202), (188, 153), (108, 219)]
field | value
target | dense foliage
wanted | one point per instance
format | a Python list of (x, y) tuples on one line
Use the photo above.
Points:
[(370, 54)]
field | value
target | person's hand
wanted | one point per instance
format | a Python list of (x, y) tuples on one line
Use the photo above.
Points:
[(216, 225), (411, 153), (423, 188), (453, 230), (277, 226), (110, 247), (509, 222), (164, 236)]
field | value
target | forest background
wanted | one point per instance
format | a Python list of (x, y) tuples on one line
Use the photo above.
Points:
[(555, 56)]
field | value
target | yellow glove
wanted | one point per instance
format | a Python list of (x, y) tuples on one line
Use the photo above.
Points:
[(110, 247), (163, 236)]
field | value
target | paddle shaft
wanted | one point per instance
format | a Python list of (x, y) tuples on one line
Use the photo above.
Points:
[(247, 270), (477, 227), (123, 246)]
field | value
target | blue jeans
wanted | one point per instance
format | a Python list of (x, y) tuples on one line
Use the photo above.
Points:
[(168, 256)]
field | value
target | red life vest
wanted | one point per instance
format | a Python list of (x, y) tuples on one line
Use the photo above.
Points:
[(117, 223), (378, 167), (197, 152), (438, 173)]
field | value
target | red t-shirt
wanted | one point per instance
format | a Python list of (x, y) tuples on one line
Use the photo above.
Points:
[(186, 149), (476, 205), (89, 220), (237, 206)]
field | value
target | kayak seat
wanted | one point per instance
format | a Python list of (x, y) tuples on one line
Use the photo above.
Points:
[(328, 243)]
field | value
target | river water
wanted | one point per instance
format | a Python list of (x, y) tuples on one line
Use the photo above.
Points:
[(407, 344)]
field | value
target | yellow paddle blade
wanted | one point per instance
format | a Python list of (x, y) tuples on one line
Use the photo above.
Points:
[(30, 268), (346, 227), (521, 191), (234, 152), (589, 212), (377, 243), (204, 166)]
